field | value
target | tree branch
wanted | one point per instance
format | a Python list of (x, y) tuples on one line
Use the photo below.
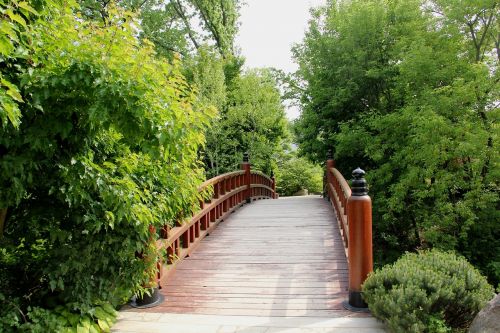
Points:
[(178, 8), (487, 25), (211, 27)]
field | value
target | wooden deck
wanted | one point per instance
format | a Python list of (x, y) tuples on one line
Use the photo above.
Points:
[(272, 266), (280, 258)]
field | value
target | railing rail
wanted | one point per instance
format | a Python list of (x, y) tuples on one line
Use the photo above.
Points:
[(339, 193), (230, 191), (353, 209)]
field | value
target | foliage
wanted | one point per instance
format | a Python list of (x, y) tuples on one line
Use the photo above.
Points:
[(177, 26), (253, 121), (296, 174), (431, 291), (107, 146), (15, 50), (61, 319), (409, 91), (250, 114)]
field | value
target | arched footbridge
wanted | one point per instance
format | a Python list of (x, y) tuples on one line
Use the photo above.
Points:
[(244, 264)]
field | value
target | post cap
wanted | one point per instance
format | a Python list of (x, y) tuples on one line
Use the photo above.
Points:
[(359, 185), (245, 157)]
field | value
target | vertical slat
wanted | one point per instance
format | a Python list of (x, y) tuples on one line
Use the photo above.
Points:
[(185, 239), (177, 247), (197, 227)]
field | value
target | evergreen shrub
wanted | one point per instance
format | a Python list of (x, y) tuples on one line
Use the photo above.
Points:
[(429, 291)]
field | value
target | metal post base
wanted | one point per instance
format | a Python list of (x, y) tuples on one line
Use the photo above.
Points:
[(148, 301), (355, 303), (249, 200)]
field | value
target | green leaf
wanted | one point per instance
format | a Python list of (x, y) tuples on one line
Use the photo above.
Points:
[(94, 328), (15, 95), (109, 309), (103, 324), (6, 46), (8, 29), (82, 329), (101, 314), (15, 17), (24, 5)]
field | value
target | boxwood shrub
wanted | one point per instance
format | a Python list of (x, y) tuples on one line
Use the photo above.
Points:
[(429, 291)]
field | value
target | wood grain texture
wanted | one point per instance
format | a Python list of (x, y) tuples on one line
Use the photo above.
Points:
[(271, 258)]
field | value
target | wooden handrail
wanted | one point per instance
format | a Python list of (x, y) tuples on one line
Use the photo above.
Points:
[(257, 172), (342, 182), (354, 215), (230, 191), (339, 192), (216, 179)]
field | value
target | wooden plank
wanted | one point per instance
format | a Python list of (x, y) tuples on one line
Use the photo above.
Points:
[(258, 312), (179, 298), (265, 284)]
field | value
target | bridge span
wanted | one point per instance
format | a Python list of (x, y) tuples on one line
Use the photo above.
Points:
[(270, 266)]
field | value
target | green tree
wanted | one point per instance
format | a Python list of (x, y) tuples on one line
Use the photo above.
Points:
[(107, 146), (295, 174), (15, 48), (409, 91), (253, 121), (177, 26)]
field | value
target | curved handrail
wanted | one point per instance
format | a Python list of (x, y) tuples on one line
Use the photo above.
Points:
[(339, 192), (346, 189), (216, 179), (257, 172), (230, 191)]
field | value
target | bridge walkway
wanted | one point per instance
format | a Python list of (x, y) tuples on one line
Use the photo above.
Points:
[(272, 266)]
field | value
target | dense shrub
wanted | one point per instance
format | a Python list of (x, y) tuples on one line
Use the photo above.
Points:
[(105, 146), (296, 174), (430, 291)]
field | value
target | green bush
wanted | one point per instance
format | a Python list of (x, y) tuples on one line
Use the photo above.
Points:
[(106, 144), (297, 174), (429, 291)]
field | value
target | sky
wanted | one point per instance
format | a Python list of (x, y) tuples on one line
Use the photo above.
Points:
[(268, 29)]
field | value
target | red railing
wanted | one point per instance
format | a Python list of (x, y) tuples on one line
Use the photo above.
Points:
[(339, 192), (228, 192), (353, 209)]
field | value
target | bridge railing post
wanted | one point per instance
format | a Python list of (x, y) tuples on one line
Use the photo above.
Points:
[(359, 216), (330, 163), (245, 166)]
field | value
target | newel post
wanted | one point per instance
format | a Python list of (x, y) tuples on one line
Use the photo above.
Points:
[(359, 216), (330, 163), (245, 166)]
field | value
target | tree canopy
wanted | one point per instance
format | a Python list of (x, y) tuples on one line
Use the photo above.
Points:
[(409, 91)]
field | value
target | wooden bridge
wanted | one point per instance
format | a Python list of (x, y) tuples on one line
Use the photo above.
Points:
[(269, 266)]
